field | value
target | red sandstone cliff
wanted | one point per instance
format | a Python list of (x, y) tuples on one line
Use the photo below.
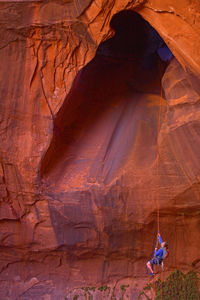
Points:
[(77, 203)]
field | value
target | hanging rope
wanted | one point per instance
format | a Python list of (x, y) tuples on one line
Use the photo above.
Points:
[(161, 282), (157, 187), (157, 165)]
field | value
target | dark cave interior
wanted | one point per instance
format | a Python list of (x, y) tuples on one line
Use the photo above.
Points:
[(132, 61)]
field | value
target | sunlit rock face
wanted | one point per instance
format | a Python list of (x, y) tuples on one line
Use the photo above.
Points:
[(78, 169)]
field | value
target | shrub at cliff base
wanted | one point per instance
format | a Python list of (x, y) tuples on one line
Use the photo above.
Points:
[(177, 286)]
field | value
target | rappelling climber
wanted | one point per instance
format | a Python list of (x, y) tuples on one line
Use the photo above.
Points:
[(159, 255)]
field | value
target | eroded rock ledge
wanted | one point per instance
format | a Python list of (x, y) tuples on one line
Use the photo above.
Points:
[(93, 219)]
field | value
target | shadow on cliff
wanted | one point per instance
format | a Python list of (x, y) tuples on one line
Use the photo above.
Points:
[(127, 63)]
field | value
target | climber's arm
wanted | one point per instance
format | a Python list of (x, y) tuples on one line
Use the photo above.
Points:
[(159, 253), (159, 238)]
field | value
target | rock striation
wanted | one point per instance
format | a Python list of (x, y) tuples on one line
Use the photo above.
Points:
[(78, 151)]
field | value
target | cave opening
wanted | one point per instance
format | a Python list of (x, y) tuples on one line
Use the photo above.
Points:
[(130, 62)]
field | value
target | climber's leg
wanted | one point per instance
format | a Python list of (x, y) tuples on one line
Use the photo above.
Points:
[(150, 267)]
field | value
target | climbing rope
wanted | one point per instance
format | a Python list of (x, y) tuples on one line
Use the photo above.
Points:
[(157, 165), (157, 188)]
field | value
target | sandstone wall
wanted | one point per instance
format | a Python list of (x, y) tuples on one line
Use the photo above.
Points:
[(92, 218)]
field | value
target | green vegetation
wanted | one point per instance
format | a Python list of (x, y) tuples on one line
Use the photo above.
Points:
[(143, 293), (104, 288), (177, 286), (89, 288), (148, 287), (124, 287)]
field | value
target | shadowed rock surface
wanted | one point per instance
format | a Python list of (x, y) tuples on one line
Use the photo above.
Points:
[(79, 146)]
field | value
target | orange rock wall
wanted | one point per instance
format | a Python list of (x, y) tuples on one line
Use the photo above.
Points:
[(98, 203)]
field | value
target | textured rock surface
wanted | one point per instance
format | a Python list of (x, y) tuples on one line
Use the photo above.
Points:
[(93, 220)]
